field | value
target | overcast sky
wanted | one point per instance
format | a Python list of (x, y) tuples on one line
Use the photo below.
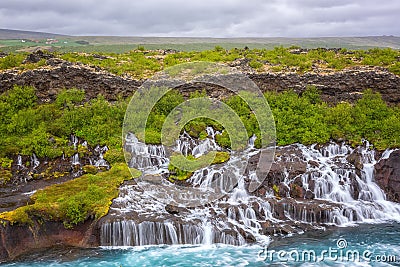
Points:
[(204, 18)]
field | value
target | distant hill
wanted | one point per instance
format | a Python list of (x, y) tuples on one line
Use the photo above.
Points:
[(126, 43), (329, 42), (6, 34)]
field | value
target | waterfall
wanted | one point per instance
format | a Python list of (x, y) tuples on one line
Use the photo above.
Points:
[(207, 234), (74, 141), (190, 146), (252, 140), (335, 183), (34, 161), (130, 233), (75, 159), (342, 194), (145, 157), (19, 161), (101, 162)]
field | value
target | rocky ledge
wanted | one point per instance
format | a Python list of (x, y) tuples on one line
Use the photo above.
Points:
[(335, 86)]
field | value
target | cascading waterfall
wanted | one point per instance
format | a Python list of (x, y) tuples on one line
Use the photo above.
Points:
[(145, 157), (336, 183), (342, 195), (34, 161), (74, 141), (101, 162), (75, 159), (19, 161)]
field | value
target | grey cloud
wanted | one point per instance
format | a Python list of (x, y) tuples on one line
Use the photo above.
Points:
[(225, 18)]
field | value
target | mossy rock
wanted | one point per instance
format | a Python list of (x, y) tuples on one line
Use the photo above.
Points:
[(69, 151), (82, 150), (73, 201), (5, 176), (90, 169)]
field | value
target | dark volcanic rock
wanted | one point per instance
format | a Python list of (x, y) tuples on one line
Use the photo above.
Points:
[(335, 86), (387, 175), (37, 56), (356, 159), (346, 85), (48, 82), (174, 209)]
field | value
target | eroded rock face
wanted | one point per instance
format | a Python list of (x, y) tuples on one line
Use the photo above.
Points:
[(335, 87), (387, 175), (289, 164), (16, 240)]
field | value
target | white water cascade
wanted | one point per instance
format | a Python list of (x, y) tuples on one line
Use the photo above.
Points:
[(101, 162), (34, 161), (341, 195)]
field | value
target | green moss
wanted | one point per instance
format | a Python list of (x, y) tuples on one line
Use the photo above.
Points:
[(221, 157), (73, 201), (90, 169), (5, 176), (276, 189), (113, 156), (186, 169), (5, 163), (82, 150)]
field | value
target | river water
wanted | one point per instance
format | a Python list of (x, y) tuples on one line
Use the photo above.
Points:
[(362, 245)]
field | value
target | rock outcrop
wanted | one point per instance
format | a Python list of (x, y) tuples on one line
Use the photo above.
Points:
[(16, 240), (387, 175), (346, 85), (49, 81)]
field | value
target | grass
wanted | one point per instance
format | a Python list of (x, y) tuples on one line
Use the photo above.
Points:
[(74, 201)]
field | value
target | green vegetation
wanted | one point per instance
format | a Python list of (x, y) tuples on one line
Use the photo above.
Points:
[(17, 61), (45, 129), (74, 201), (141, 63), (5, 170), (187, 165), (306, 119), (136, 63)]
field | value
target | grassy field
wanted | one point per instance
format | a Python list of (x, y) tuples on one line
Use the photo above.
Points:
[(12, 41)]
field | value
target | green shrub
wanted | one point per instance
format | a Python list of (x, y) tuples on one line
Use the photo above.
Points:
[(11, 61), (70, 97), (113, 156)]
